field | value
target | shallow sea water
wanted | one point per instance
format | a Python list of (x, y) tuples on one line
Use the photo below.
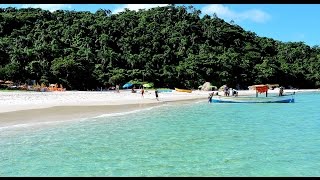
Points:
[(197, 139)]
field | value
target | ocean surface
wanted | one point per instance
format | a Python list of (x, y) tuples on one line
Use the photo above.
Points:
[(196, 139)]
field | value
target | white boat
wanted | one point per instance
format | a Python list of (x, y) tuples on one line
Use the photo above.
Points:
[(251, 99)]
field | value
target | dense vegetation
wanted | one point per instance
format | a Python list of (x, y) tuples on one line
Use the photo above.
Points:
[(170, 46)]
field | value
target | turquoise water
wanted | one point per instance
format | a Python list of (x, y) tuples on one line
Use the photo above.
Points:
[(197, 139)]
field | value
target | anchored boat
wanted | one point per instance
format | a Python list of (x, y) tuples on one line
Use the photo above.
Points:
[(250, 99)]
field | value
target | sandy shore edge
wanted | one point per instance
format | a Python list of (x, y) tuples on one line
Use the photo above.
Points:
[(36, 108), (76, 112)]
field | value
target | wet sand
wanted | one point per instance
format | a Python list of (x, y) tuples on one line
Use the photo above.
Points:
[(75, 112)]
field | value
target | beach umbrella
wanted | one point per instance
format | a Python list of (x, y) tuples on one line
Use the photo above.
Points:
[(127, 85), (147, 86), (9, 82), (1, 81)]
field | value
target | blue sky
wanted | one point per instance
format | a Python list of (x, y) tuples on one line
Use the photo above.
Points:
[(284, 22)]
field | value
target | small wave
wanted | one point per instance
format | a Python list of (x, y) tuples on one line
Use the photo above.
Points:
[(165, 104), (78, 119), (128, 112), (197, 102)]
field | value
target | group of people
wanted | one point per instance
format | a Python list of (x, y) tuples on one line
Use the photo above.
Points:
[(142, 91), (155, 92), (227, 91)]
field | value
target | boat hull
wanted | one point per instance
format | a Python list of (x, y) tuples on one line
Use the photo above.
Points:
[(164, 90), (183, 90), (253, 100)]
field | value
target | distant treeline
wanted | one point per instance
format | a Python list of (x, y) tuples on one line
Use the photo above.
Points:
[(171, 46)]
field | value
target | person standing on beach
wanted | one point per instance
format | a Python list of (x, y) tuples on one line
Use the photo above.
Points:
[(156, 92), (226, 90), (281, 91), (142, 92), (210, 97), (117, 88), (235, 93)]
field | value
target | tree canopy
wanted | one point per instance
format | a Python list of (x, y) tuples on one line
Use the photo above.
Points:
[(170, 46)]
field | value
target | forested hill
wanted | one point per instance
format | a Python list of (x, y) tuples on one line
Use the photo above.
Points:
[(170, 46)]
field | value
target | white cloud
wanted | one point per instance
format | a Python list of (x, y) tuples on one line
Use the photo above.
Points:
[(136, 7), (50, 7), (224, 12)]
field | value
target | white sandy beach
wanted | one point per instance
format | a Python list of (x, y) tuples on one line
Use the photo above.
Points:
[(18, 107), (24, 100), (21, 107), (15, 101)]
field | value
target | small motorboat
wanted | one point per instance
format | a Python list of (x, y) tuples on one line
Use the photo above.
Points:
[(251, 99)]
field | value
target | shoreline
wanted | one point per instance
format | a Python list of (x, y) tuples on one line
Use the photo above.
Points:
[(25, 108), (66, 113)]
